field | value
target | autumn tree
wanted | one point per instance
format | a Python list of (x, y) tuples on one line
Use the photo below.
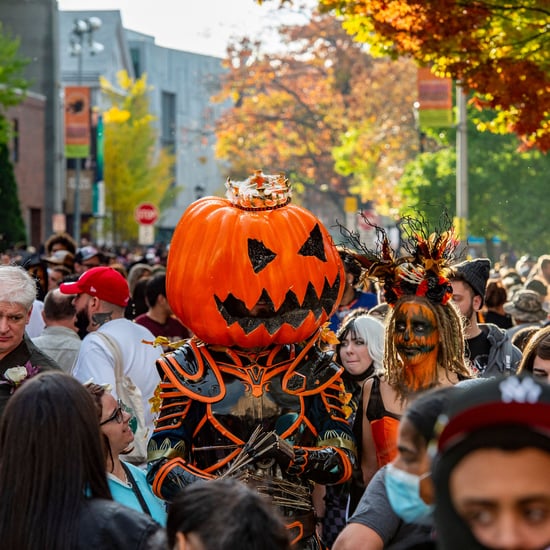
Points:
[(310, 111), (136, 169), (507, 189), (497, 50)]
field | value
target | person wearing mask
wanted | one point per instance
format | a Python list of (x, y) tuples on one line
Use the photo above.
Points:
[(395, 511), (424, 337)]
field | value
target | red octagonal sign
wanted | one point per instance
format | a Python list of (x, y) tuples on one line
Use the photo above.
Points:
[(146, 213)]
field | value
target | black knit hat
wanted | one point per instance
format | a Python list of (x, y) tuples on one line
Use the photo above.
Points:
[(475, 272)]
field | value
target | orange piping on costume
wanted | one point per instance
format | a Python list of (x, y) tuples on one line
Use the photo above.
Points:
[(164, 470), (189, 393), (308, 423), (301, 418), (300, 527), (292, 368), (346, 462), (222, 462), (221, 428)]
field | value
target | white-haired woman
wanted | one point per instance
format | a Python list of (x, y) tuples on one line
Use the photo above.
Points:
[(360, 350)]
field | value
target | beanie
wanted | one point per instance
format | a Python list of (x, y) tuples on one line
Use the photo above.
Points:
[(475, 273)]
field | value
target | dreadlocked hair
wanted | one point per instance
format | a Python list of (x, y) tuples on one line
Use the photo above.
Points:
[(450, 355)]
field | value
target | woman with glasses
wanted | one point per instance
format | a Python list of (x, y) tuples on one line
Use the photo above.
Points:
[(126, 481)]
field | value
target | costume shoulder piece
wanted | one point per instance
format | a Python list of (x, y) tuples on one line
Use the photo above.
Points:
[(312, 371), (193, 371)]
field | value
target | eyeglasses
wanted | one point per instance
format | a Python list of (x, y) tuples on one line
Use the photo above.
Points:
[(118, 415)]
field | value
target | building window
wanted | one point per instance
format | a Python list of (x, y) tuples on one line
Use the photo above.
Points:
[(168, 129), (135, 54), (15, 141)]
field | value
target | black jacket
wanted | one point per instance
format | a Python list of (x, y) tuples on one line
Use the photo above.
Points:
[(108, 525), (25, 351)]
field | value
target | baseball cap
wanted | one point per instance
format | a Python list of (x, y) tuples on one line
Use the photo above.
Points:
[(102, 282), (514, 400)]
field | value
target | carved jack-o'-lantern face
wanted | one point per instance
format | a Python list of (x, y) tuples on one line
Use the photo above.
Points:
[(252, 278), (416, 334)]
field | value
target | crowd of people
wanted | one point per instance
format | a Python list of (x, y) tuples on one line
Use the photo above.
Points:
[(393, 425)]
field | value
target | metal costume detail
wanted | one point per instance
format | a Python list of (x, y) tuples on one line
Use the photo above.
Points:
[(223, 407)]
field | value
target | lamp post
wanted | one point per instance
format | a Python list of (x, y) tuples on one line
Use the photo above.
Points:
[(82, 29)]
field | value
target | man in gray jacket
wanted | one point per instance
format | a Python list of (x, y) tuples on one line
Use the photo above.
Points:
[(488, 347)]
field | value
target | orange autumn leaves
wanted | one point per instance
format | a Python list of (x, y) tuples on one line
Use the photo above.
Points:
[(496, 50)]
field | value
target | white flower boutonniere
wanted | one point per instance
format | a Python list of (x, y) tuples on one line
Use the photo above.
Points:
[(15, 376)]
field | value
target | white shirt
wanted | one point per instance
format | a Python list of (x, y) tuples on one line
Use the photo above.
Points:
[(96, 361)]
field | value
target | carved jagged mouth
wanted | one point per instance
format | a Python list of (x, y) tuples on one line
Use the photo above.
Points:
[(291, 311)]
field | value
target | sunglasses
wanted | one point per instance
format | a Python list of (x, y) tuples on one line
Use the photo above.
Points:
[(117, 415)]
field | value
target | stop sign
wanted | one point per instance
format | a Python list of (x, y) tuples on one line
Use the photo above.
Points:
[(146, 213)]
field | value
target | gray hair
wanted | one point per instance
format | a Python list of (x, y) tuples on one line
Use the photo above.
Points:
[(17, 286)]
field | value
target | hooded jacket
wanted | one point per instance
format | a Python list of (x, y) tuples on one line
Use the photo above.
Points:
[(504, 357)]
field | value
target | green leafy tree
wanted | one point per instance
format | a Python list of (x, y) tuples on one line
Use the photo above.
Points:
[(12, 83), (12, 92), (136, 170), (12, 228), (508, 190)]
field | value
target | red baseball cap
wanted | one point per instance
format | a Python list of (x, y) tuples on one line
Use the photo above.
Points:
[(103, 282)]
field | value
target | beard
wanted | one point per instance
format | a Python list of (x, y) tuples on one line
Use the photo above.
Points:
[(82, 323)]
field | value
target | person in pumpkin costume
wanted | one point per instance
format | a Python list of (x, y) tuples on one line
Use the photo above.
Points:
[(424, 335), (252, 395)]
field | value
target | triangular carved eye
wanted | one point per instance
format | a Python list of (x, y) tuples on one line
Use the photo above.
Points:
[(260, 256), (314, 246)]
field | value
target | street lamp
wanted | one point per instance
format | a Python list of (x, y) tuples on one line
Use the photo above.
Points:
[(82, 29)]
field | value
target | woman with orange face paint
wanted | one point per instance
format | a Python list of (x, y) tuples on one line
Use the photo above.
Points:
[(424, 336)]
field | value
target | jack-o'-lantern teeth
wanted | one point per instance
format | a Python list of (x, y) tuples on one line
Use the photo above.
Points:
[(290, 312)]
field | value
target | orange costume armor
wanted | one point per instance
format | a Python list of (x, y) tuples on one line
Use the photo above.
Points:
[(252, 395)]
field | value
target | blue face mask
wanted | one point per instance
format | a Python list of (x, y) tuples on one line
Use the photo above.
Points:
[(403, 490)]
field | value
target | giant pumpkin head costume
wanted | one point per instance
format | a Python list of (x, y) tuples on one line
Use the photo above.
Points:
[(253, 270)]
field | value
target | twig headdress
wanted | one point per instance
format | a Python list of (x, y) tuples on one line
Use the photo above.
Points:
[(424, 267)]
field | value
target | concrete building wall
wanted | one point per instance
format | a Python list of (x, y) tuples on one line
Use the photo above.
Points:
[(192, 79)]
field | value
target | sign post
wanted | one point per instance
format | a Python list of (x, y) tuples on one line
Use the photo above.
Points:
[(146, 214)]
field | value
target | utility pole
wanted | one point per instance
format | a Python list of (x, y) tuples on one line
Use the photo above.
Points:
[(461, 222), (82, 28)]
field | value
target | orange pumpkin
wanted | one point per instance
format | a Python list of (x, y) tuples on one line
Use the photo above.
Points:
[(252, 271)]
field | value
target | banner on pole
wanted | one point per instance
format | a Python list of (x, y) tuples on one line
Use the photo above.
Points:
[(435, 99), (77, 122)]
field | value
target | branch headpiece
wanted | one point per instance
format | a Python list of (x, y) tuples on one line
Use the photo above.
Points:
[(424, 268)]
